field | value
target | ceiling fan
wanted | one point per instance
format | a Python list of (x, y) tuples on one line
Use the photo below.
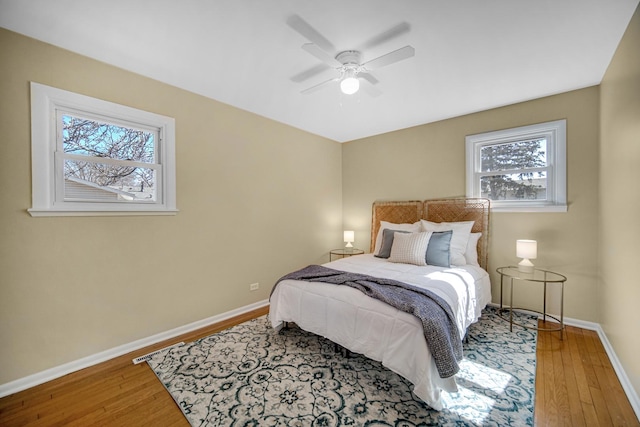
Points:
[(348, 63)]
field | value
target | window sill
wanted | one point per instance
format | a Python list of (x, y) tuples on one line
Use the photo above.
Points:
[(69, 212), (529, 209)]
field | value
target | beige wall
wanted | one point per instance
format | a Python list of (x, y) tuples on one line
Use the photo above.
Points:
[(619, 291), (256, 198), (429, 161)]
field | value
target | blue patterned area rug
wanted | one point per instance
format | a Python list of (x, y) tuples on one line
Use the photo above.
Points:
[(249, 375)]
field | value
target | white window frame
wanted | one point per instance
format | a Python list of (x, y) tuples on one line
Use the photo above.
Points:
[(47, 166), (555, 133)]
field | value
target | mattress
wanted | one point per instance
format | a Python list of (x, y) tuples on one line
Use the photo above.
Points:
[(372, 328)]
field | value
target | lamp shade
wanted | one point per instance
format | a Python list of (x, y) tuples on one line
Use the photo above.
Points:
[(349, 236), (527, 249)]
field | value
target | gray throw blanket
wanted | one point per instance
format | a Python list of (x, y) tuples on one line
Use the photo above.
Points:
[(438, 321)]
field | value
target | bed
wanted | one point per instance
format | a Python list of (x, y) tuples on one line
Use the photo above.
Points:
[(378, 330)]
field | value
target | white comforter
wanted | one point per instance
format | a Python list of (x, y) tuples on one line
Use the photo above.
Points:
[(364, 325)]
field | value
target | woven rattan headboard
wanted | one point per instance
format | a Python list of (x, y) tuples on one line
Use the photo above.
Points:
[(437, 210)]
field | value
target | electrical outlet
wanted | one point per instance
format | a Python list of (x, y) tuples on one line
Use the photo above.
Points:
[(254, 286)]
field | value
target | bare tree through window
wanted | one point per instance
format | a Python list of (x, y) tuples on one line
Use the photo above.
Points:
[(109, 155)]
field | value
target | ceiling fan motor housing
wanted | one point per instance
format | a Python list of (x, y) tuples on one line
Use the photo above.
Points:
[(349, 57)]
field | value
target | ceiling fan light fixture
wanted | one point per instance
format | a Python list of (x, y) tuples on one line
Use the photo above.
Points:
[(350, 83)]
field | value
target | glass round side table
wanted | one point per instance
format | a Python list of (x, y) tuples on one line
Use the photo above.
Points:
[(538, 275), (344, 252)]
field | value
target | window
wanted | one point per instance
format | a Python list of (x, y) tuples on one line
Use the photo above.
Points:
[(93, 157), (521, 169)]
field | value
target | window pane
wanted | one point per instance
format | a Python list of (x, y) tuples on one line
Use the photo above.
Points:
[(525, 186), (92, 138), (103, 182), (514, 155)]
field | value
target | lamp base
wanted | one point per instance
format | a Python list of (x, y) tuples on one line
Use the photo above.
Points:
[(525, 266), (348, 245)]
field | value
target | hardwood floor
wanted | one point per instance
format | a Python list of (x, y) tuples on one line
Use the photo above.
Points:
[(575, 386)]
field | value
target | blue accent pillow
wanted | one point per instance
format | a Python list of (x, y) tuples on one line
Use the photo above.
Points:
[(387, 242), (438, 252)]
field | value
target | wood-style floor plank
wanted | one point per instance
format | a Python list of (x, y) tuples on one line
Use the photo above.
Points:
[(576, 385), (573, 394), (584, 390), (578, 367)]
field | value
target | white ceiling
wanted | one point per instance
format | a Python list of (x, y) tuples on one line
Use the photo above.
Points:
[(470, 56)]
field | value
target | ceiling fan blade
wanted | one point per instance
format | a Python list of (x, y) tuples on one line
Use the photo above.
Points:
[(370, 88), (369, 77), (310, 33), (322, 55), (385, 36), (390, 58), (318, 86), (311, 72)]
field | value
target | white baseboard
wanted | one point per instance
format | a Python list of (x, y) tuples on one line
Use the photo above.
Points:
[(85, 362), (631, 393), (622, 376)]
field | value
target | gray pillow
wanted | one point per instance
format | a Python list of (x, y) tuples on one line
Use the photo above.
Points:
[(438, 253), (387, 242)]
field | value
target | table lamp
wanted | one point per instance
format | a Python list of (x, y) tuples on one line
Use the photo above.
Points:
[(349, 237), (527, 250)]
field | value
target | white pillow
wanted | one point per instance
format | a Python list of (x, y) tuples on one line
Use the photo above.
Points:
[(411, 228), (471, 255), (410, 248), (459, 239)]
